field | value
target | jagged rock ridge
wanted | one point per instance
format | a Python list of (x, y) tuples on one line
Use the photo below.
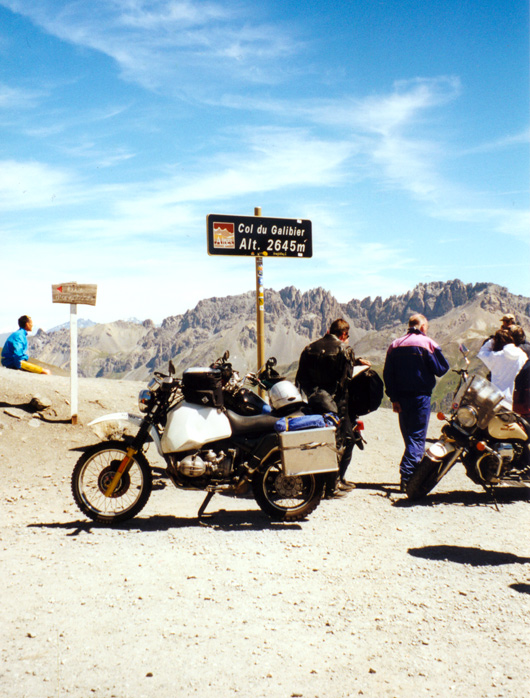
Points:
[(292, 319)]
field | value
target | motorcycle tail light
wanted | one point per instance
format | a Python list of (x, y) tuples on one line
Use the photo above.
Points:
[(359, 425)]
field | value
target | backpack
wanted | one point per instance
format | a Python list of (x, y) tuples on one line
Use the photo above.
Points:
[(365, 393)]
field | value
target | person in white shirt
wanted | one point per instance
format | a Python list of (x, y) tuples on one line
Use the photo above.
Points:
[(504, 360)]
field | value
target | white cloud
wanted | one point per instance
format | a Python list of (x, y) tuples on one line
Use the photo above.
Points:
[(17, 98), (159, 43), (25, 185), (502, 143)]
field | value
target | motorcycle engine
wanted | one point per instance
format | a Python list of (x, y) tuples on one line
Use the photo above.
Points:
[(204, 463), (491, 464)]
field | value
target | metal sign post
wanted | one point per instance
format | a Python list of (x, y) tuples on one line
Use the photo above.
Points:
[(258, 237), (73, 293), (260, 310)]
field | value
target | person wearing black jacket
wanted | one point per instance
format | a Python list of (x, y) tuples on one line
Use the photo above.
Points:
[(324, 371)]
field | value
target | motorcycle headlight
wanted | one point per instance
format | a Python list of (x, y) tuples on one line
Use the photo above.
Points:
[(144, 398), (467, 417)]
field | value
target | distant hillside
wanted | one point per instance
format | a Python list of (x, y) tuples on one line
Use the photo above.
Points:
[(458, 312)]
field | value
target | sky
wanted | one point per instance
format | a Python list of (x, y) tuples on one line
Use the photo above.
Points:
[(399, 128)]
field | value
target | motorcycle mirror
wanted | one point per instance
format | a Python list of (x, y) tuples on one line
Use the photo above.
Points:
[(464, 349), (226, 355), (171, 368), (272, 361)]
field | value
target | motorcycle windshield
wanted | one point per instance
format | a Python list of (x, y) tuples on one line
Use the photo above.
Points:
[(483, 396)]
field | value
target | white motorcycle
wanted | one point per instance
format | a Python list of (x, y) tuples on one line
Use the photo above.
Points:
[(209, 446)]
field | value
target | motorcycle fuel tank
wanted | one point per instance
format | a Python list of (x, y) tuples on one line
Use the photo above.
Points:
[(506, 430), (191, 426)]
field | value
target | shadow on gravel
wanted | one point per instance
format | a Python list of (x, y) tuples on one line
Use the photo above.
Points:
[(386, 489), (503, 495), (30, 409), (221, 520), (26, 406), (521, 588), (477, 557)]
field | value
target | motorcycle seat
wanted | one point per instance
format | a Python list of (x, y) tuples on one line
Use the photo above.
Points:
[(251, 424)]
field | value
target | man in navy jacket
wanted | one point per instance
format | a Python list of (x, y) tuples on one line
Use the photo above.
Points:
[(412, 364)]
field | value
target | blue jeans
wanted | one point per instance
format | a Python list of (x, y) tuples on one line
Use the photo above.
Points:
[(413, 422)]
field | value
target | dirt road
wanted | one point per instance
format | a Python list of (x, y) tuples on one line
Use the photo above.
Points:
[(369, 596)]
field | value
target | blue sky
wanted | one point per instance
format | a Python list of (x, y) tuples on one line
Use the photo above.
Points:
[(398, 127)]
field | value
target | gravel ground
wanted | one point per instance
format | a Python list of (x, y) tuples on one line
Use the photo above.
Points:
[(369, 596)]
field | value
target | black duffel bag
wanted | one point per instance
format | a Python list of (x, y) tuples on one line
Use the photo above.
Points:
[(365, 393)]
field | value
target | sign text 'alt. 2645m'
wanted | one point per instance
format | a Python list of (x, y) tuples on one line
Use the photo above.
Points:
[(258, 237)]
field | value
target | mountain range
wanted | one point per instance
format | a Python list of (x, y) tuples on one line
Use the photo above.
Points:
[(457, 313)]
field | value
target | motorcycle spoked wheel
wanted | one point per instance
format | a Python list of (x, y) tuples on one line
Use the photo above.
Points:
[(285, 498), (426, 476), (94, 472)]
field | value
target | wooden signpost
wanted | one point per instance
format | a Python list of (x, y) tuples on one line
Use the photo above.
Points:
[(74, 294), (259, 237)]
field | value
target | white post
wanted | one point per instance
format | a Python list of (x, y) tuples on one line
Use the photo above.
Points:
[(73, 363)]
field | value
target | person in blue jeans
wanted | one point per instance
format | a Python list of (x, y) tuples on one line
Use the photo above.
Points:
[(412, 364)]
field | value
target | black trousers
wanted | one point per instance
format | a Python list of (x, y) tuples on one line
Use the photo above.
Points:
[(345, 441)]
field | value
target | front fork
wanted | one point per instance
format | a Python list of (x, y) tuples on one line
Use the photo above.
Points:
[(128, 458), (122, 468)]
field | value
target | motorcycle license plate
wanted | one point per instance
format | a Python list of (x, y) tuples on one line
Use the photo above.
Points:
[(310, 451)]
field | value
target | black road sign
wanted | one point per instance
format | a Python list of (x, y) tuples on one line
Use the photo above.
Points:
[(258, 237)]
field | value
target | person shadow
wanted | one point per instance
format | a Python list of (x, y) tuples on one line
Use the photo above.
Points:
[(475, 557), (468, 555)]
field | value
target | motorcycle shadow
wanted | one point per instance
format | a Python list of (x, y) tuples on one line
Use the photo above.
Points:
[(503, 495), (221, 520)]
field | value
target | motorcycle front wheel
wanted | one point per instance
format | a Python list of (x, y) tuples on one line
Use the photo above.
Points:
[(426, 476), (285, 498), (94, 472)]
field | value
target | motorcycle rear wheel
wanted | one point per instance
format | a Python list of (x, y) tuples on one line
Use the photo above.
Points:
[(286, 498), (94, 472), (426, 476)]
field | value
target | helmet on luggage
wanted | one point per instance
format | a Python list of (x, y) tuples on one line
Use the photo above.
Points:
[(284, 393)]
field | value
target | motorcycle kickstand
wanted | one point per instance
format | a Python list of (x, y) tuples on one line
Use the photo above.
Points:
[(491, 491), (203, 506)]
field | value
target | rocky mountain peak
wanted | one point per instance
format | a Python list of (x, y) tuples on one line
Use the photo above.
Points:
[(292, 320)]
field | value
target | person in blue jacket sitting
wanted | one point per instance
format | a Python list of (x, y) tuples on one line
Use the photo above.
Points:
[(15, 350)]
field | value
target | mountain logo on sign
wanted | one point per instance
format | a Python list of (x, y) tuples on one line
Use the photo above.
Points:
[(224, 236)]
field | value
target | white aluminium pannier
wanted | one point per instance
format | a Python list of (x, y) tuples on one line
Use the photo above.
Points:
[(309, 451)]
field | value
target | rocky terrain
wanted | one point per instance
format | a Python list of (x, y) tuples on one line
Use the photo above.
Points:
[(369, 596), (458, 312)]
